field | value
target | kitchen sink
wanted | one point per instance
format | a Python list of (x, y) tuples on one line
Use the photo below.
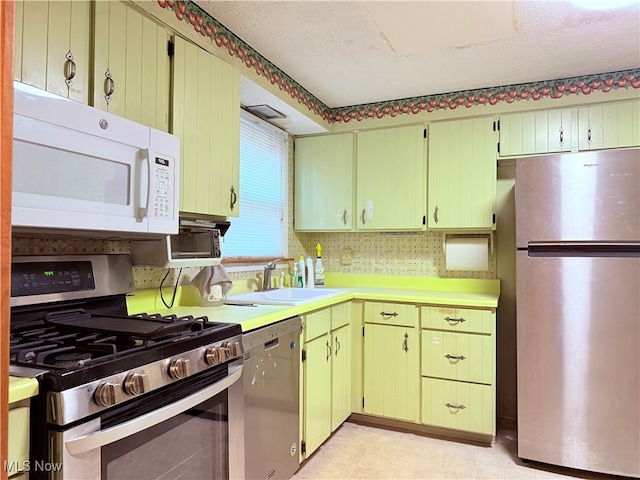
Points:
[(285, 296)]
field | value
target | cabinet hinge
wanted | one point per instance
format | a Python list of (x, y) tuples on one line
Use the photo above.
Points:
[(425, 133), (494, 218), (494, 125), (170, 48), (303, 447), (304, 355)]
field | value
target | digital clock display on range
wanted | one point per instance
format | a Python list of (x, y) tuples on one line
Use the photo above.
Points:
[(38, 278)]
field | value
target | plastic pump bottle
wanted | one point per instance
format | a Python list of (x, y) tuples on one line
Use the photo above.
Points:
[(310, 277), (301, 271), (319, 271)]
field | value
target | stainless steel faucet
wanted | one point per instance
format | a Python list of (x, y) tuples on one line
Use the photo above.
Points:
[(268, 271)]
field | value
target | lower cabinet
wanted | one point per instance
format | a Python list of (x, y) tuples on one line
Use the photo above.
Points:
[(326, 374), (391, 361), (18, 454), (458, 369)]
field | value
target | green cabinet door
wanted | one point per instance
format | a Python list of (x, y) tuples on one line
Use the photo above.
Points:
[(206, 117), (462, 175), (340, 376), (391, 372), (324, 183), (544, 131), (609, 126), (52, 41), (391, 179), (317, 392), (131, 65)]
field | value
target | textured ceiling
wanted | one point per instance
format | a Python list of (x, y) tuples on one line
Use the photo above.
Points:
[(350, 53)]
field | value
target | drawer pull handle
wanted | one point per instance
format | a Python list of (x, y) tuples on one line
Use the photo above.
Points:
[(386, 315), (455, 407), (328, 351), (337, 346), (405, 344), (454, 357), (454, 321)]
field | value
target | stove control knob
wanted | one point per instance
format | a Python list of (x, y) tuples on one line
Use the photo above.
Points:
[(214, 355), (107, 394), (232, 349), (136, 383), (179, 368)]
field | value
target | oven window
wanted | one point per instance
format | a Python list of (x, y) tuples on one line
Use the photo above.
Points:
[(192, 445)]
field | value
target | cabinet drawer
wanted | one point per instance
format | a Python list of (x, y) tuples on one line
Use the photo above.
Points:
[(340, 315), (317, 323), (18, 438), (458, 405), (458, 356), (458, 319), (401, 314)]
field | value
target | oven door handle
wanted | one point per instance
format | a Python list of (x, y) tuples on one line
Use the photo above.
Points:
[(110, 435)]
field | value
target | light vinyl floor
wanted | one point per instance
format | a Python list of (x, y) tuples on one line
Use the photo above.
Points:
[(360, 451)]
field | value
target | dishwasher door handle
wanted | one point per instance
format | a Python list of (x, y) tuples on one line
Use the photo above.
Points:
[(271, 344)]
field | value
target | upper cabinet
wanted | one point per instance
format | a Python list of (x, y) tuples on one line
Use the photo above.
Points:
[(544, 131), (462, 175), (52, 42), (609, 126), (391, 179), (324, 183), (206, 117), (131, 68)]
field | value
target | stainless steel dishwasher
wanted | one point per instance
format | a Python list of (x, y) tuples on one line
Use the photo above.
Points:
[(271, 400)]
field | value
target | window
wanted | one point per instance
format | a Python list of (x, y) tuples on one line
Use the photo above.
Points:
[(261, 228)]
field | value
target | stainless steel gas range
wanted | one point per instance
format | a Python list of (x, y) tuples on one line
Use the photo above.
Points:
[(122, 396)]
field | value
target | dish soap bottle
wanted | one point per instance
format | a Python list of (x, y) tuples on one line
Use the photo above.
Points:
[(300, 278), (319, 267)]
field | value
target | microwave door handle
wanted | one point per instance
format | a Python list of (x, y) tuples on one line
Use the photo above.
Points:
[(144, 189), (110, 435)]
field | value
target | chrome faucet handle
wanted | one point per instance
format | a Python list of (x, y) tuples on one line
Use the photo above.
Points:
[(268, 269), (272, 264)]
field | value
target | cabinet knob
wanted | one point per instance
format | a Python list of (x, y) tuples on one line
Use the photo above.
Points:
[(454, 357), (233, 198), (69, 69), (454, 321), (109, 86)]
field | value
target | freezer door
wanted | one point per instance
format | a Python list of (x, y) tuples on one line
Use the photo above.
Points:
[(578, 339), (586, 196)]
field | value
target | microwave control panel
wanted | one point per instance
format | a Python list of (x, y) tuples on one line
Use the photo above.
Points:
[(162, 205)]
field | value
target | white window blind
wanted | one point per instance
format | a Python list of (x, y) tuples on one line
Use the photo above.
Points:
[(261, 228)]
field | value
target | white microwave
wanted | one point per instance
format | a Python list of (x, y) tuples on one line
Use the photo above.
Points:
[(80, 170)]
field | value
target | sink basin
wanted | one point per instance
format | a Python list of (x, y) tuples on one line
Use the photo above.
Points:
[(285, 296)]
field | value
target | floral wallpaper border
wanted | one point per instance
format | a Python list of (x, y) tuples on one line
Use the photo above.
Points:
[(209, 27)]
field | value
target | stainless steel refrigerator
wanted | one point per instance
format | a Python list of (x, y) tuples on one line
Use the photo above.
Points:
[(578, 310)]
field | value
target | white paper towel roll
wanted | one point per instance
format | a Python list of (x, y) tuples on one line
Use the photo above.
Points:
[(467, 253)]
